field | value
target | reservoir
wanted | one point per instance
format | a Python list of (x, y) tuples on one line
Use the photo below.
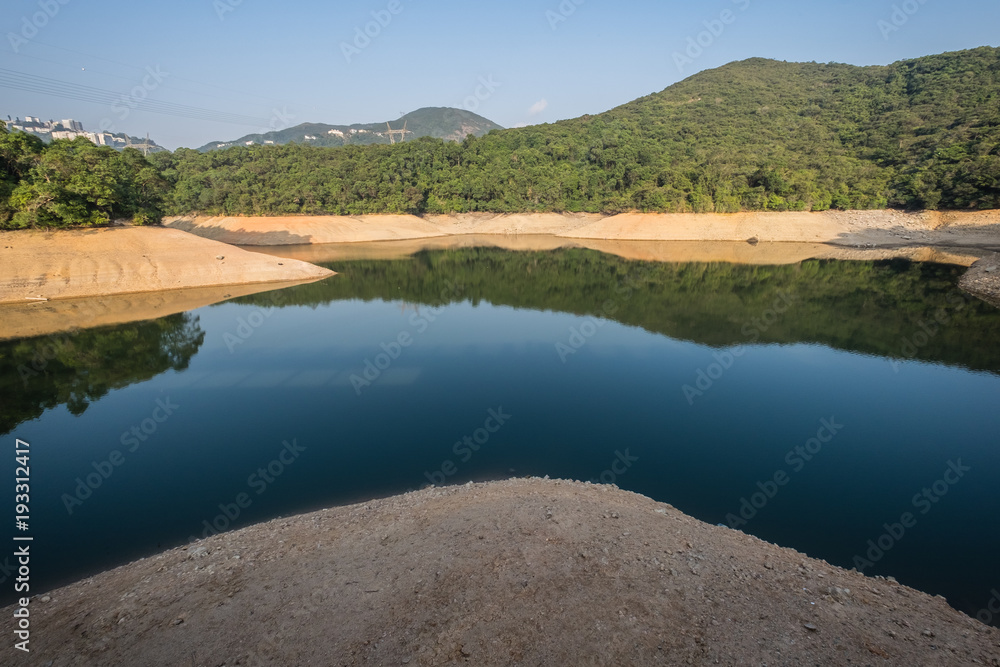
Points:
[(848, 410)]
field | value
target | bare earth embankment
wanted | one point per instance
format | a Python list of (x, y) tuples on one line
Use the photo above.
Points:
[(846, 228), (521, 572), (48, 279)]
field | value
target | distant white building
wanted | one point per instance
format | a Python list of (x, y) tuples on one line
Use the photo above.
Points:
[(73, 125), (268, 141), (309, 137), (336, 132), (249, 143)]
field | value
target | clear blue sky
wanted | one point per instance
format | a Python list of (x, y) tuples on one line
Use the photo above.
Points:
[(280, 64)]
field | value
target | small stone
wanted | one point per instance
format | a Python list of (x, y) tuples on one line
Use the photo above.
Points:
[(927, 633), (45, 598), (810, 627), (220, 256), (177, 621)]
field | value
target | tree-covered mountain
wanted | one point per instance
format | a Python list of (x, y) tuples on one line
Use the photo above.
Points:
[(437, 122), (752, 135)]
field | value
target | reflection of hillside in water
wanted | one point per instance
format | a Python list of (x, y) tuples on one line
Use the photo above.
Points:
[(882, 307), (76, 368)]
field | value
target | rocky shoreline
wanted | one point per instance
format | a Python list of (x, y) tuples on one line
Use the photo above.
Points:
[(524, 571)]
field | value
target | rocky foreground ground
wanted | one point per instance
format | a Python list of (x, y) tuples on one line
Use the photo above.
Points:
[(520, 572)]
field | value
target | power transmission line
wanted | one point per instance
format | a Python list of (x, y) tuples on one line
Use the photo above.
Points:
[(56, 88), (136, 67)]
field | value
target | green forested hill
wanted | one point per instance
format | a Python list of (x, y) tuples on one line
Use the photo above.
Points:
[(438, 122), (752, 135)]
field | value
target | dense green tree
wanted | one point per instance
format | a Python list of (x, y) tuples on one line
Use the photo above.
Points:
[(18, 153), (78, 183)]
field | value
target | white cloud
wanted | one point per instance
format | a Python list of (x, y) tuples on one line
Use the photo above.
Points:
[(538, 107)]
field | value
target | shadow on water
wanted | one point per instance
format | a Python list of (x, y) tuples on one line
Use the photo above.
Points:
[(892, 308)]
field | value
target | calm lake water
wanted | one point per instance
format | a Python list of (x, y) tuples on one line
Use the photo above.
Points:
[(815, 405)]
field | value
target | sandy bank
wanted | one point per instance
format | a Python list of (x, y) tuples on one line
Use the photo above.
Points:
[(98, 262), (516, 572), (849, 228)]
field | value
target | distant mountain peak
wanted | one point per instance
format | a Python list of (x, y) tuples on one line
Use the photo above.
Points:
[(439, 122)]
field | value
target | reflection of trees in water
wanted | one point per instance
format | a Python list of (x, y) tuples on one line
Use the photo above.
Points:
[(874, 307), (76, 368)]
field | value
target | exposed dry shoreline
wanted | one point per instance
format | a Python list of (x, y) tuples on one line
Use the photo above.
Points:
[(847, 228), (143, 267), (48, 279), (516, 572)]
